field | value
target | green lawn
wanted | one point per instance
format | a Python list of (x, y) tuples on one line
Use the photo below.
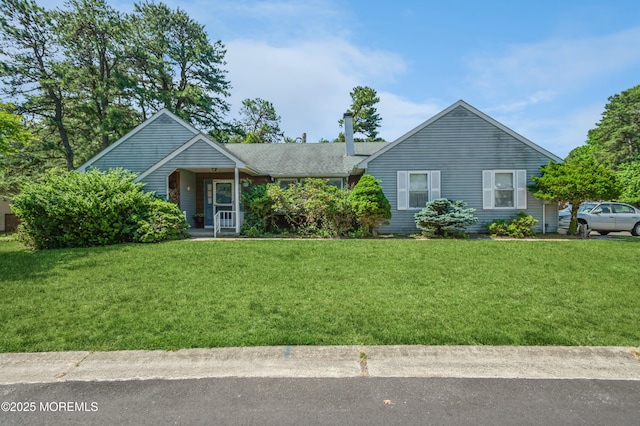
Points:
[(331, 292)]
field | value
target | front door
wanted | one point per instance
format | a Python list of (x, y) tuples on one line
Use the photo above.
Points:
[(223, 200)]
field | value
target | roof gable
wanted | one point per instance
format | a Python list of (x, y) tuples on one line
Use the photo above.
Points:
[(158, 116), (472, 110), (197, 139)]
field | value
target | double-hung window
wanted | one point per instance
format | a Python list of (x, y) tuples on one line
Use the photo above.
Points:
[(416, 188), (504, 189)]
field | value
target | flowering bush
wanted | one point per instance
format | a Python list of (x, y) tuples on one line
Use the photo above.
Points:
[(315, 208)]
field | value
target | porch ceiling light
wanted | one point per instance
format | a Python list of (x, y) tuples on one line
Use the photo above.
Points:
[(213, 169)]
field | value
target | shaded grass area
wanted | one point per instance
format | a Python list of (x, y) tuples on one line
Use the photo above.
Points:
[(187, 294)]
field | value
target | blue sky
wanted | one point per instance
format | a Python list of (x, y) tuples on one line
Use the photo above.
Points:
[(545, 69)]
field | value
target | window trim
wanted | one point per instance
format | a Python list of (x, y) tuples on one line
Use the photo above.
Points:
[(519, 189), (403, 187)]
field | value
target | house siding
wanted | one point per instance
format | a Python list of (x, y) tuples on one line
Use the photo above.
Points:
[(5, 209), (460, 145), (148, 146), (199, 155)]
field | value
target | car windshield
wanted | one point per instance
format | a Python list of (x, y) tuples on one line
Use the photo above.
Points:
[(586, 207)]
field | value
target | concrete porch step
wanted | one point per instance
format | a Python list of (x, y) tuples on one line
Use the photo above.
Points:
[(208, 233)]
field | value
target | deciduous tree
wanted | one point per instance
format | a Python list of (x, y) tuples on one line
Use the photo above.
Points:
[(576, 181), (13, 133), (629, 177)]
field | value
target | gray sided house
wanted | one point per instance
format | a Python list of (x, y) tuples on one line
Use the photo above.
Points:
[(460, 154)]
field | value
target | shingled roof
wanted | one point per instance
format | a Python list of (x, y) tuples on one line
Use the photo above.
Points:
[(303, 160)]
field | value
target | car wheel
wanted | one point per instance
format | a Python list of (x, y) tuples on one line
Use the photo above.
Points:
[(603, 232), (636, 230)]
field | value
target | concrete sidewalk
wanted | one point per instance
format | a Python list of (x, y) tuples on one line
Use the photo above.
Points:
[(555, 362)]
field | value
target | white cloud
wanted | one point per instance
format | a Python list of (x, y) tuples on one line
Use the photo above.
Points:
[(571, 132), (400, 115), (559, 134), (546, 90), (308, 82), (541, 96), (554, 65)]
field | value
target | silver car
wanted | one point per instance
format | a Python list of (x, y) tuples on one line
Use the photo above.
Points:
[(606, 217)]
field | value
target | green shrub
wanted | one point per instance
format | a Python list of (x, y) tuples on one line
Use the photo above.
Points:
[(520, 226), (442, 218), (88, 209), (259, 215), (162, 221), (313, 207), (369, 204), (310, 208)]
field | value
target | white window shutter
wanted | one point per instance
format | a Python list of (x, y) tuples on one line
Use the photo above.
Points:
[(521, 189), (434, 190), (487, 189), (403, 190)]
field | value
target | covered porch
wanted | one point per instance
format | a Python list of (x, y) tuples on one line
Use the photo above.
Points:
[(210, 197)]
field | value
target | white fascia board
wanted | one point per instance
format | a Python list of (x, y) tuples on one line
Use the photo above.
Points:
[(138, 128), (197, 138)]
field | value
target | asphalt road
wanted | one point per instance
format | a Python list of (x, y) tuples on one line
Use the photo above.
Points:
[(300, 401)]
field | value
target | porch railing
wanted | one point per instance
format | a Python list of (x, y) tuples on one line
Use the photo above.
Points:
[(223, 219)]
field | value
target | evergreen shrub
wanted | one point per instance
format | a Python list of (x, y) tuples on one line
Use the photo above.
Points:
[(96, 208), (442, 217), (369, 204)]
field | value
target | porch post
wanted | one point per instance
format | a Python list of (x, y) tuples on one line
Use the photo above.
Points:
[(236, 181)]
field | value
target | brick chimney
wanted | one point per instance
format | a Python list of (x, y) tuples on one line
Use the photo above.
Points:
[(348, 134)]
